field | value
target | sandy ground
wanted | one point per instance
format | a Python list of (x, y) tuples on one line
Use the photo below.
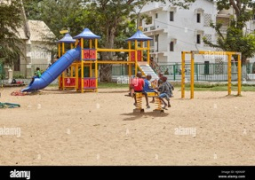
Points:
[(67, 128)]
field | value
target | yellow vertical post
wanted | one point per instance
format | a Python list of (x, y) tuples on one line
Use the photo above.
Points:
[(71, 71), (90, 43), (183, 76), (96, 75), (239, 74), (129, 59), (63, 48), (63, 73), (229, 73), (59, 82), (71, 45), (136, 57), (82, 66), (141, 46), (76, 76), (192, 76), (148, 52), (63, 80), (90, 64)]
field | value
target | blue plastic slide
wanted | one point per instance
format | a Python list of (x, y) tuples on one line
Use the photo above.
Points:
[(54, 70)]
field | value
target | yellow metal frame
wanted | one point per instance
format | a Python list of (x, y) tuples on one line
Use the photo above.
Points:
[(149, 94), (192, 72)]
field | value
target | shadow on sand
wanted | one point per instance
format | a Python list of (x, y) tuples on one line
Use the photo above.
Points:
[(143, 115)]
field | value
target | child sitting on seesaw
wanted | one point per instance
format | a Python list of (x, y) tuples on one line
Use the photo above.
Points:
[(165, 90), (137, 85)]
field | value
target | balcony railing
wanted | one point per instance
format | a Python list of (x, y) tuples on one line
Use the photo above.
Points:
[(152, 28), (157, 26)]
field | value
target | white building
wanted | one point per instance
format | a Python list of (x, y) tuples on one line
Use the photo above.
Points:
[(37, 49), (175, 29)]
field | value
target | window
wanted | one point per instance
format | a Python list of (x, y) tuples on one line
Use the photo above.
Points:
[(156, 15), (171, 46), (156, 37), (148, 20), (171, 16), (198, 38), (17, 64), (198, 17)]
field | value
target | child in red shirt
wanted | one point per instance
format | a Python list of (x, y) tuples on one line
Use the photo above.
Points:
[(138, 84)]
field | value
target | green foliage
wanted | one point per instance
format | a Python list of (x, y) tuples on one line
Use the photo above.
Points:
[(111, 85), (10, 20), (58, 15), (33, 9), (236, 39), (18, 76)]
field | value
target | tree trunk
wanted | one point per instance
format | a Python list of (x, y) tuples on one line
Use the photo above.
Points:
[(105, 70), (243, 69)]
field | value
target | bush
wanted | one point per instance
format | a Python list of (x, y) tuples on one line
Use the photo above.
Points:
[(18, 76)]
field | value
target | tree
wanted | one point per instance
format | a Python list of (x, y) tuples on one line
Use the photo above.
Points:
[(10, 20), (236, 38), (58, 15), (111, 17), (33, 9)]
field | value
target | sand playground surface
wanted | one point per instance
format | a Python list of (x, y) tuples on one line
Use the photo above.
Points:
[(67, 128)]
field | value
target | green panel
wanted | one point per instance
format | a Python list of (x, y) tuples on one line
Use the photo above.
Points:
[(1, 72), (86, 72)]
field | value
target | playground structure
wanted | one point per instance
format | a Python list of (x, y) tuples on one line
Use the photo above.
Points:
[(81, 60), (192, 69)]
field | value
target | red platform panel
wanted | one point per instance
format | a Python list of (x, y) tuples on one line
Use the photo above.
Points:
[(89, 54), (69, 82), (89, 83), (92, 54), (139, 56), (86, 83), (86, 54), (92, 83)]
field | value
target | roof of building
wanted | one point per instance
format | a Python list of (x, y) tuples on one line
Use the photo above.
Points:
[(87, 34), (39, 31), (139, 36)]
